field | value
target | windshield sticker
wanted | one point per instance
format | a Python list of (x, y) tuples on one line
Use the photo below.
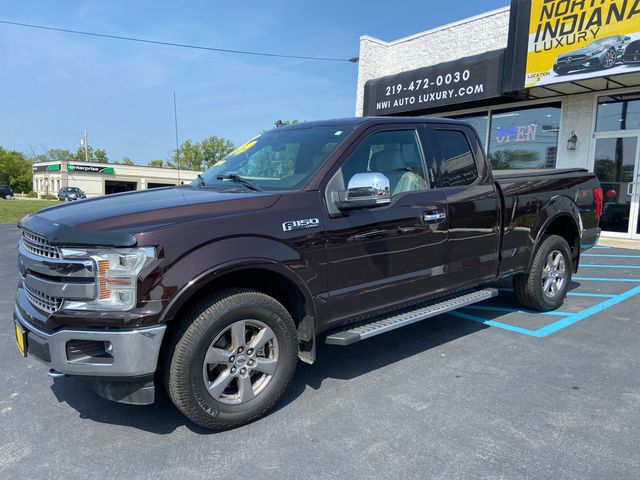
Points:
[(338, 133), (244, 148)]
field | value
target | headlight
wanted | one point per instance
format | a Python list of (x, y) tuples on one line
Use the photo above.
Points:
[(117, 272)]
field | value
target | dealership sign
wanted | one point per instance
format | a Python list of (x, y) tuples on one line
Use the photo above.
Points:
[(53, 167), (570, 40), (90, 169), (469, 79)]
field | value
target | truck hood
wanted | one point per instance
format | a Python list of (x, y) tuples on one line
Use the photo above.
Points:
[(113, 220)]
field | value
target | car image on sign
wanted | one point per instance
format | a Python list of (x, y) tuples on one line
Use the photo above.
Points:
[(600, 54)]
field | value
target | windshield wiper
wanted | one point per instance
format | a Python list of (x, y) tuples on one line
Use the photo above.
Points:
[(237, 178)]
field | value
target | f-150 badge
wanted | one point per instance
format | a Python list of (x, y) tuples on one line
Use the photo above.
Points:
[(300, 224)]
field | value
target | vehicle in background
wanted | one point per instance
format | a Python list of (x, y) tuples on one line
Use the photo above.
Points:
[(70, 194), (331, 231), (600, 54), (632, 53), (5, 192)]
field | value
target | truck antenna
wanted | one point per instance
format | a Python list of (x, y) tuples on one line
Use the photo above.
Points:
[(175, 120)]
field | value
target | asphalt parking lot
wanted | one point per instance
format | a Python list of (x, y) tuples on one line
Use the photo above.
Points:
[(486, 392)]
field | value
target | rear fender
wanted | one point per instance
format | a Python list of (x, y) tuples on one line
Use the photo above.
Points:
[(556, 207)]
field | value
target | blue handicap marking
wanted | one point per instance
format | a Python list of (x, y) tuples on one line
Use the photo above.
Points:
[(567, 318)]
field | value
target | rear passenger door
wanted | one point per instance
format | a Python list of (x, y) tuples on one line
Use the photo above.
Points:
[(382, 256), (473, 206)]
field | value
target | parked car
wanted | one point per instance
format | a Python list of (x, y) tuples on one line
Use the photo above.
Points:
[(5, 192), (600, 54), (70, 194), (632, 53), (331, 231)]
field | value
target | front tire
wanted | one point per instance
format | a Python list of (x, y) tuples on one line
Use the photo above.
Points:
[(610, 59), (230, 358), (544, 288)]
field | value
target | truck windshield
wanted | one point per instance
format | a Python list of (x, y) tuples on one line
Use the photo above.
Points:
[(276, 160)]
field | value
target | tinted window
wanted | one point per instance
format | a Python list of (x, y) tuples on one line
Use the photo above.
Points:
[(397, 154), (618, 112), (458, 164)]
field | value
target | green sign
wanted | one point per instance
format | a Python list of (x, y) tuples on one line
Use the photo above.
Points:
[(91, 169)]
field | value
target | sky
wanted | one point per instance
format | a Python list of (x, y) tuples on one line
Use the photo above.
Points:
[(54, 86)]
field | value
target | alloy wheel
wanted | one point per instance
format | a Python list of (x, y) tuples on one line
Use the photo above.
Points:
[(553, 274), (610, 59), (240, 362)]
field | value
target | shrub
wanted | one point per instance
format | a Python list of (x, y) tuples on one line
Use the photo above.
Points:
[(32, 195), (49, 197)]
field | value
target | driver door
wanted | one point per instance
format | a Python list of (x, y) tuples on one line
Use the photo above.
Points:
[(380, 257)]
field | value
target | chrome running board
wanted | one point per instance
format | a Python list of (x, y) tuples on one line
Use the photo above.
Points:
[(383, 325)]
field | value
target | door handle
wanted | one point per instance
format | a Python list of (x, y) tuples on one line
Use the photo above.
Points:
[(630, 188), (435, 216)]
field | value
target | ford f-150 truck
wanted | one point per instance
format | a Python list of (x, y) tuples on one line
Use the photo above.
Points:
[(331, 231)]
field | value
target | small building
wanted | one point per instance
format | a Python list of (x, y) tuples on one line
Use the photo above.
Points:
[(104, 178), (547, 84)]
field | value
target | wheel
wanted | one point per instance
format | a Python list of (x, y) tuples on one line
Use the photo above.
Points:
[(230, 358), (610, 58), (7, 197), (545, 286)]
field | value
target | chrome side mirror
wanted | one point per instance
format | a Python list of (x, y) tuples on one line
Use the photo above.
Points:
[(369, 189)]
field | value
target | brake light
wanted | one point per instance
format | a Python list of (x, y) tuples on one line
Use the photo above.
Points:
[(597, 196)]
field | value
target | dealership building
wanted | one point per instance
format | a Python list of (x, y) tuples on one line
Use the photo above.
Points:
[(547, 84), (104, 178)]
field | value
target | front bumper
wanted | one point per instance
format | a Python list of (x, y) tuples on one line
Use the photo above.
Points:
[(127, 353)]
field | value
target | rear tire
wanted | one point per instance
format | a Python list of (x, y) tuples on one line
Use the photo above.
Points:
[(544, 288), (230, 358)]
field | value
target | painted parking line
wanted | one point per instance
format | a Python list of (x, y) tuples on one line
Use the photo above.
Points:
[(569, 294), (605, 279), (589, 265), (600, 246), (472, 312), (610, 255), (512, 310), (558, 325)]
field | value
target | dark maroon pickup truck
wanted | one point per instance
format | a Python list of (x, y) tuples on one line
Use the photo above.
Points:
[(331, 231)]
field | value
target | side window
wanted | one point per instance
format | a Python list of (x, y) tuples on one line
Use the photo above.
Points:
[(458, 164), (396, 154)]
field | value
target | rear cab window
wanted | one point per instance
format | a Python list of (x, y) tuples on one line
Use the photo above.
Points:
[(457, 163)]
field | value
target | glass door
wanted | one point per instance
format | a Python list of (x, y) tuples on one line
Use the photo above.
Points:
[(616, 166)]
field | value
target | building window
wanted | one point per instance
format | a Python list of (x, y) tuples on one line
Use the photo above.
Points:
[(618, 112), (524, 138)]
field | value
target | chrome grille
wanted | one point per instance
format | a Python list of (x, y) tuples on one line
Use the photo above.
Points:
[(42, 301), (39, 245)]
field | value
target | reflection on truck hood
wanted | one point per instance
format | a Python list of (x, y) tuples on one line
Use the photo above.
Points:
[(154, 208)]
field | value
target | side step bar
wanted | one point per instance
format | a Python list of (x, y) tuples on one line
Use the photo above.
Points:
[(383, 325)]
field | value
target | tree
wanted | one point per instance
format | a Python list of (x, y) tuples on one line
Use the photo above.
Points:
[(127, 161), (156, 163), (59, 155), (15, 171), (200, 156), (188, 156), (214, 149), (101, 156)]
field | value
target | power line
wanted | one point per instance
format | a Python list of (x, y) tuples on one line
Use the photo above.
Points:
[(181, 45)]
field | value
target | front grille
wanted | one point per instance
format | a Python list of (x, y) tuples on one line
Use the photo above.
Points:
[(39, 245), (42, 301), (575, 58)]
